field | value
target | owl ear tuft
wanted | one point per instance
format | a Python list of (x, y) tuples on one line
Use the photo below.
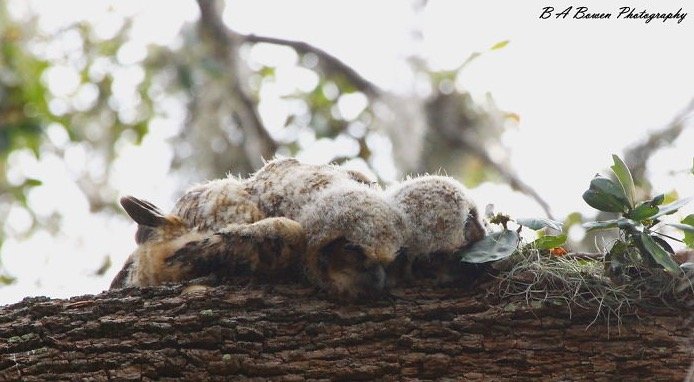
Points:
[(143, 212)]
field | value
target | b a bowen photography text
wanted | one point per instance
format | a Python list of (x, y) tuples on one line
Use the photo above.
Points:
[(623, 13)]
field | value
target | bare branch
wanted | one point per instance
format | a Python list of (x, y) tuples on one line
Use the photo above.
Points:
[(637, 155), (331, 64), (508, 175)]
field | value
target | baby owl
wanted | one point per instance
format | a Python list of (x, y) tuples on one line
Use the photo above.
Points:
[(352, 234), (170, 251), (440, 220)]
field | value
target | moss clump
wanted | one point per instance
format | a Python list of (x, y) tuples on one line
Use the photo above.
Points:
[(536, 276)]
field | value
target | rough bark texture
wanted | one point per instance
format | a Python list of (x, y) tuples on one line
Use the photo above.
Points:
[(290, 333)]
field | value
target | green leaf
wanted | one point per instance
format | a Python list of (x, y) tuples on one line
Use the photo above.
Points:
[(624, 177), (500, 45), (660, 255), (657, 200), (644, 211), (692, 166), (605, 195), (539, 223), (689, 237), (671, 208), (31, 182), (605, 224), (683, 227), (671, 196), (547, 242), (6, 280), (495, 246)]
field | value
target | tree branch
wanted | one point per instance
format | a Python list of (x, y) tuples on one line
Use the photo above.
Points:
[(287, 332), (637, 156), (331, 64), (224, 48), (511, 178)]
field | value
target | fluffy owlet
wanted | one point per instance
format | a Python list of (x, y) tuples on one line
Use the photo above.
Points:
[(158, 236), (283, 187), (170, 251), (352, 235), (440, 220), (213, 205)]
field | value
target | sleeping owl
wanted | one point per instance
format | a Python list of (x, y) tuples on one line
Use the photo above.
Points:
[(332, 226), (352, 236), (171, 251), (213, 205), (283, 187), (440, 220)]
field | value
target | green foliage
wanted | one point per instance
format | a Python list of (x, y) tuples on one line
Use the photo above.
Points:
[(500, 245), (643, 211), (623, 174), (500, 45), (687, 226), (638, 220), (539, 223), (29, 106), (549, 241), (6, 280), (671, 208), (605, 195), (496, 246), (660, 255)]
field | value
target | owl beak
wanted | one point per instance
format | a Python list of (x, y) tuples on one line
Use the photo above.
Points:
[(373, 281), (473, 230)]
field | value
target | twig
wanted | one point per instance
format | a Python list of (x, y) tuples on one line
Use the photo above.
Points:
[(583, 256), (637, 155), (512, 179), (331, 64)]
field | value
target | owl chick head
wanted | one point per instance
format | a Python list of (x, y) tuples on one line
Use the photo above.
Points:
[(352, 235), (439, 215), (440, 220), (158, 236), (152, 224)]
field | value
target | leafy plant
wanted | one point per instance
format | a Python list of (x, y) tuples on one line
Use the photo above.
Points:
[(638, 220), (499, 245)]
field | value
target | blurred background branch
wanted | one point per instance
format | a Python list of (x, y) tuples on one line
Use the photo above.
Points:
[(637, 156)]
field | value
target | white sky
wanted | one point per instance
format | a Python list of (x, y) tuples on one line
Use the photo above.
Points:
[(584, 89)]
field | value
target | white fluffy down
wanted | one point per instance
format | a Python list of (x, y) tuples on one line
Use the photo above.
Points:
[(436, 210), (360, 215), (213, 205)]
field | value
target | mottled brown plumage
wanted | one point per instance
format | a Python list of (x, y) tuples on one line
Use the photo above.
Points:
[(268, 247), (440, 220), (172, 252), (284, 187), (213, 205)]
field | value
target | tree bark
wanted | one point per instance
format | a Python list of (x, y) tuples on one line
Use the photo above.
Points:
[(291, 333)]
